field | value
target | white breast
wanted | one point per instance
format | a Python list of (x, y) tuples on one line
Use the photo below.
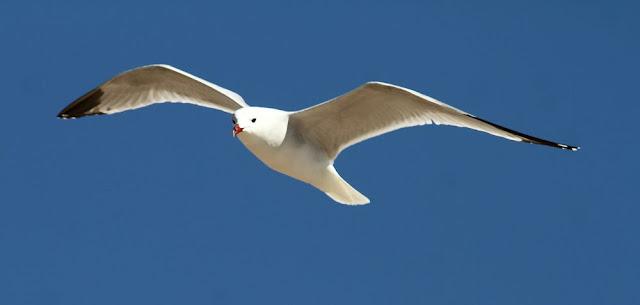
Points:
[(296, 160)]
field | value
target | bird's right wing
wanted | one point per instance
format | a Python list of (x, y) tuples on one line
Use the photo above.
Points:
[(376, 108), (148, 85)]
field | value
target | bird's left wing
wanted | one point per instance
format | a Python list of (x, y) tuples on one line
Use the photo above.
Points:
[(376, 108), (148, 85)]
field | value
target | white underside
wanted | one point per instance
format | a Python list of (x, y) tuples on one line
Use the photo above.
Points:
[(304, 163)]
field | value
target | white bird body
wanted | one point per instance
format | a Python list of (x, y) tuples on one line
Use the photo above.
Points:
[(291, 155), (297, 160), (301, 144)]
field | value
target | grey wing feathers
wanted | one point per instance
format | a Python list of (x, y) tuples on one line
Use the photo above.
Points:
[(376, 108), (148, 85)]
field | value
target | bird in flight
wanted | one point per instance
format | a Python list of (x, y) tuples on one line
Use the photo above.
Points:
[(301, 144)]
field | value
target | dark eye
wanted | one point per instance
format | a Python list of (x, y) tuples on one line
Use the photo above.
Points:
[(253, 120)]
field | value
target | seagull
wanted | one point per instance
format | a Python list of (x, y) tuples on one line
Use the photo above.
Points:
[(300, 144)]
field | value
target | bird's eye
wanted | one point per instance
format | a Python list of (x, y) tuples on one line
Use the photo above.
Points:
[(253, 120)]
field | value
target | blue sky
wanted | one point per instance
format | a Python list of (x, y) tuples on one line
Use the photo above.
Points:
[(163, 206)]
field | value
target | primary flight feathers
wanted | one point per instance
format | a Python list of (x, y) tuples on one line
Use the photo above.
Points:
[(301, 144)]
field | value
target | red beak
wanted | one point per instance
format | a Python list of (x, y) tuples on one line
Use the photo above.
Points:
[(237, 129)]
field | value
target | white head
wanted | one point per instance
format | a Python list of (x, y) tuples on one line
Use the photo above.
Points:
[(267, 124)]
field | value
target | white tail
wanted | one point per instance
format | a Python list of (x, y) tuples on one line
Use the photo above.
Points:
[(340, 191)]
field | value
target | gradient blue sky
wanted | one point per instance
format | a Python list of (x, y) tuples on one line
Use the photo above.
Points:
[(163, 206)]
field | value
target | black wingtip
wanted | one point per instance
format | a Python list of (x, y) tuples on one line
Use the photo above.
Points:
[(83, 106), (527, 138), (568, 147)]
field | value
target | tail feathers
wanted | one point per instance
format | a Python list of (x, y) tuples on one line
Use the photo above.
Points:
[(340, 191)]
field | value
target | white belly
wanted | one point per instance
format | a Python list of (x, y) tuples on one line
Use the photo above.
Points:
[(298, 161)]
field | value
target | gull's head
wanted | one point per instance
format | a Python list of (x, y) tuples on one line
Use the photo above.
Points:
[(266, 124)]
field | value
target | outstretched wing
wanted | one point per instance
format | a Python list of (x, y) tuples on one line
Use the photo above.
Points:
[(376, 108), (148, 85)]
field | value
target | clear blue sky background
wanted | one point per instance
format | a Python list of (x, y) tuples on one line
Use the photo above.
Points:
[(163, 206)]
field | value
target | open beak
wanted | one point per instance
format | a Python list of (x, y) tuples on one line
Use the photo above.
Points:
[(237, 129)]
